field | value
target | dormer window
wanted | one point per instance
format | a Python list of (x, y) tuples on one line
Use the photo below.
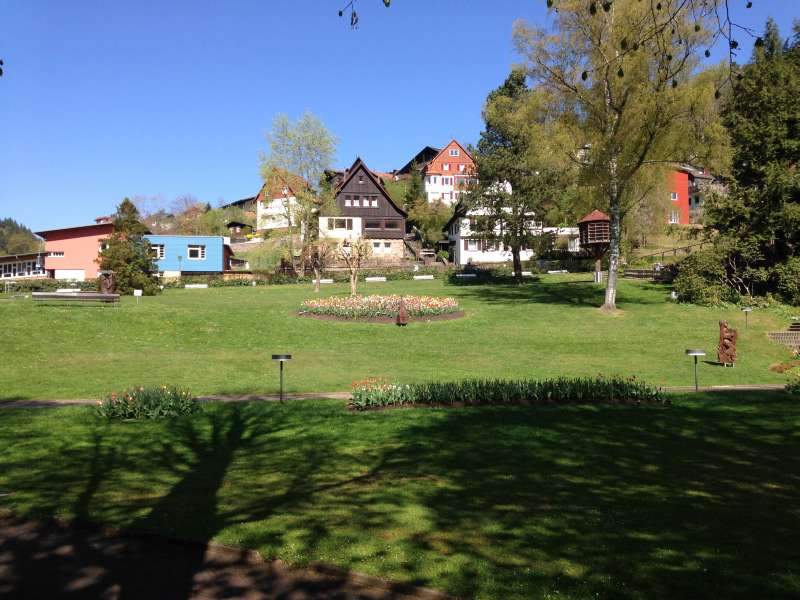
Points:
[(455, 152)]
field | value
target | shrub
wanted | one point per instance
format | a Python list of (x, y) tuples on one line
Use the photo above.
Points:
[(373, 393), (793, 387), (788, 275), (354, 307), (701, 279), (51, 285), (148, 403)]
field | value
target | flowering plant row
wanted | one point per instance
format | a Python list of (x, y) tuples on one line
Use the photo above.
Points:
[(148, 403), (372, 393), (353, 307)]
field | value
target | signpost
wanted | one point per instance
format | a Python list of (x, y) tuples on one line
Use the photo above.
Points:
[(746, 310), (138, 294)]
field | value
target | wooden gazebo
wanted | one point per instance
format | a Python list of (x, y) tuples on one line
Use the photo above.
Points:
[(595, 236)]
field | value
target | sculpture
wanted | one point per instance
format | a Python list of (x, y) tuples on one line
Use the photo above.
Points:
[(108, 283), (402, 314), (726, 351)]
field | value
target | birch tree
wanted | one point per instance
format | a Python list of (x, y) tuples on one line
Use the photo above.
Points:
[(354, 253), (622, 75)]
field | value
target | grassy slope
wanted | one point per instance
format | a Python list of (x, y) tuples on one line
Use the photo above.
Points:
[(220, 340), (699, 499)]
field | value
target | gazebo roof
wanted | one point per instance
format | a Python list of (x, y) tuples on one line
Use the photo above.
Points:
[(595, 215)]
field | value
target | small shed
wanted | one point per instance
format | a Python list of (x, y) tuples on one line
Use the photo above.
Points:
[(237, 227), (595, 234)]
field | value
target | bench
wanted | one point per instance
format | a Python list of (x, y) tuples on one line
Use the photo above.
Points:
[(466, 275), (76, 296), (375, 279), (196, 286), (326, 280), (423, 277)]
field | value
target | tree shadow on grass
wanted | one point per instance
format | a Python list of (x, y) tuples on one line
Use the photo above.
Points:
[(567, 293), (620, 502)]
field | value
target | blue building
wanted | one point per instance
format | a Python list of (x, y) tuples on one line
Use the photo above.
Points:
[(190, 254)]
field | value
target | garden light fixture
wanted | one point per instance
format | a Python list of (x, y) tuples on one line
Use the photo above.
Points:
[(746, 310), (695, 353), (281, 358)]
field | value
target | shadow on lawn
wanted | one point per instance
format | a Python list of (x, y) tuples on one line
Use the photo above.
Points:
[(48, 560), (615, 502), (570, 293)]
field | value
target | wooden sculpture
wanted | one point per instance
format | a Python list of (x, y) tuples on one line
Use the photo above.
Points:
[(402, 314), (108, 283), (726, 351)]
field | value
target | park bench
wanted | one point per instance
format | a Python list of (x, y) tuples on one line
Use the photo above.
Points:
[(74, 296)]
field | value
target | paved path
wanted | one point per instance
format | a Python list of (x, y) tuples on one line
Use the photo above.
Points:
[(50, 560), (346, 396)]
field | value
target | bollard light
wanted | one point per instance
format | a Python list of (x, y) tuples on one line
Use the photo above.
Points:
[(746, 310), (695, 353), (281, 358)]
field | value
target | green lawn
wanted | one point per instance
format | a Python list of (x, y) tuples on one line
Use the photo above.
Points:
[(698, 499), (220, 340)]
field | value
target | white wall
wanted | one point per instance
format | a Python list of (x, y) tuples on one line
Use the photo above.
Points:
[(339, 233), (76, 274), (272, 215)]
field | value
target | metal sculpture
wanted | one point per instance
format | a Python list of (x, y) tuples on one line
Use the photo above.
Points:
[(726, 351)]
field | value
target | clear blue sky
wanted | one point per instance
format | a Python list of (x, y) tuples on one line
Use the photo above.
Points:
[(103, 100)]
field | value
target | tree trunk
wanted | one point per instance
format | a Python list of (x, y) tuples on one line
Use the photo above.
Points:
[(353, 281), (317, 275), (517, 263), (610, 303)]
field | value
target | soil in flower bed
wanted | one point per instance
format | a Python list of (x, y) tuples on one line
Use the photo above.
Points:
[(391, 320)]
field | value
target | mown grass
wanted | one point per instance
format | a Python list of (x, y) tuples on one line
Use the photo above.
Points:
[(698, 499), (219, 341)]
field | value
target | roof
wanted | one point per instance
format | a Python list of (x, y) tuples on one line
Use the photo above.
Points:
[(420, 159), (450, 143), (236, 224), (348, 175), (46, 231), (595, 215), (239, 203)]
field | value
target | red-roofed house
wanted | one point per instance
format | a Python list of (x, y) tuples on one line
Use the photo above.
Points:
[(448, 173)]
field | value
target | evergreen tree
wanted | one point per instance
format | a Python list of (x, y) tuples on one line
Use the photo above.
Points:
[(128, 253), (16, 238), (415, 191)]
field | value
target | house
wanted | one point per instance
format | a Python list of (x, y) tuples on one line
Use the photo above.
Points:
[(467, 246), (420, 161), (448, 173), (23, 266), (688, 188), (365, 209), (175, 255), (71, 252)]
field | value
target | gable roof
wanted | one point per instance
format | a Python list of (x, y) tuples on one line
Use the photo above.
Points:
[(447, 147), (420, 160), (350, 173), (595, 215)]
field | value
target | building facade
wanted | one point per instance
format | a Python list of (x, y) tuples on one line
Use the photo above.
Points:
[(23, 266), (72, 252), (688, 189), (365, 209), (448, 174), (175, 255)]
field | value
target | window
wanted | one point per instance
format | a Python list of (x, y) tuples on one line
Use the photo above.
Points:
[(103, 245), (462, 168), (471, 245), (348, 202), (434, 179), (387, 245), (674, 195), (674, 217), (391, 224), (57, 254), (446, 166), (455, 152), (372, 224), (196, 252), (158, 251), (376, 245), (360, 178), (374, 202), (340, 224)]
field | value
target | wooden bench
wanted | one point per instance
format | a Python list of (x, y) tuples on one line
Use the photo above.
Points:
[(75, 296)]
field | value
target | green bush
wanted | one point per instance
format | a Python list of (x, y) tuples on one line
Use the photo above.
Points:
[(374, 393), (51, 285), (788, 275), (148, 403), (793, 387), (701, 279)]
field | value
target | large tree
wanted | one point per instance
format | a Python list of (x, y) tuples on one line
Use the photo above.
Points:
[(299, 154), (519, 174), (620, 73), (128, 253)]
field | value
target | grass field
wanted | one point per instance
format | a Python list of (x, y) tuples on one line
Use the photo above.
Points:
[(700, 499), (220, 340)]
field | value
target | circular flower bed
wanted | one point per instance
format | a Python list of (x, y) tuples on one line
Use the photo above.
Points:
[(364, 307)]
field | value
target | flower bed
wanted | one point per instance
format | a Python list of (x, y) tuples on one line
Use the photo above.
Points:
[(148, 403), (378, 393), (357, 307)]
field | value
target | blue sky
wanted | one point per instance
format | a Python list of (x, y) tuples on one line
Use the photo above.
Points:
[(103, 100)]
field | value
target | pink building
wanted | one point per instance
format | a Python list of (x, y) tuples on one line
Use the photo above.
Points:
[(72, 252)]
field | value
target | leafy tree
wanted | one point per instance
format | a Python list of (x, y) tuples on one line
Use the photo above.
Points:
[(517, 169), (619, 73), (16, 238), (428, 219), (299, 154), (415, 190), (756, 225), (128, 253)]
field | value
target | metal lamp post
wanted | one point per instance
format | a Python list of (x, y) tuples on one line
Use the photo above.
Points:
[(695, 353), (746, 310), (281, 358)]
